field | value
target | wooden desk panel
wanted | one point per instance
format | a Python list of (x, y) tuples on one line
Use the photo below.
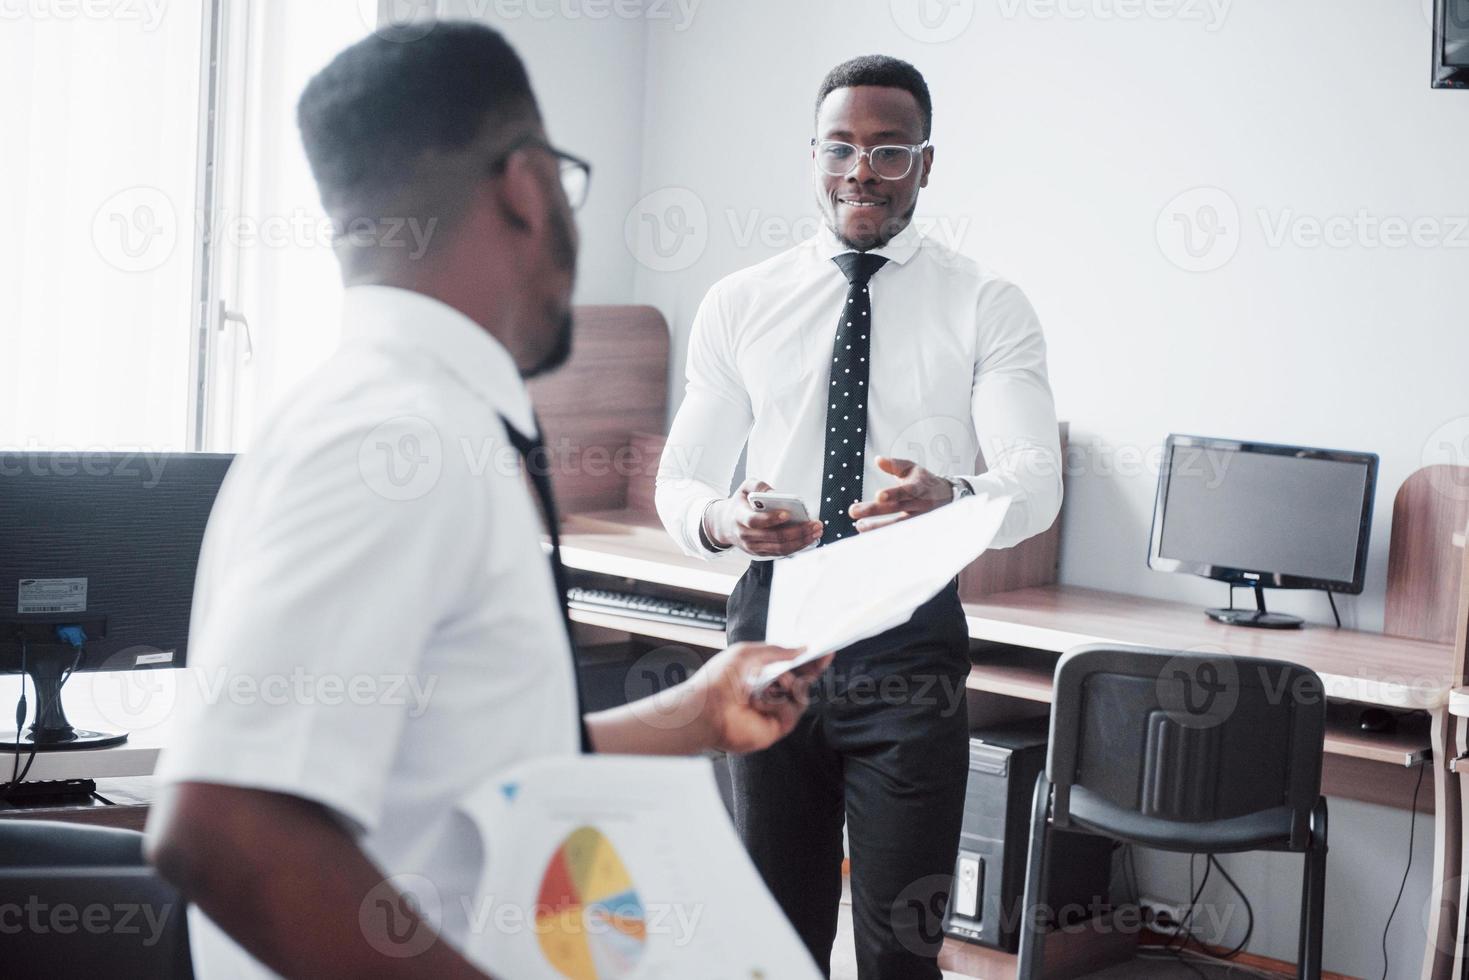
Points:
[(1369, 667)]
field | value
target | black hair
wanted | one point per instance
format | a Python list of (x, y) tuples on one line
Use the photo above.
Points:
[(880, 69), (381, 105)]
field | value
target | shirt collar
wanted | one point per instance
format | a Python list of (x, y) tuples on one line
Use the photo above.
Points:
[(401, 317), (904, 245)]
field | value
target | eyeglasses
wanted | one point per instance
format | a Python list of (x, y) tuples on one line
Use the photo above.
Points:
[(890, 162), (575, 173)]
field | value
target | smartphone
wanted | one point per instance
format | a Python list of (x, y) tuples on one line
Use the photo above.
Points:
[(770, 502)]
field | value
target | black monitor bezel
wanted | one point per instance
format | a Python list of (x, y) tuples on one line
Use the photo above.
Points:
[(1445, 75), (1261, 576)]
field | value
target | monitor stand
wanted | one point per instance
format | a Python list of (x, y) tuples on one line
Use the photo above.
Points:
[(48, 668), (1257, 617)]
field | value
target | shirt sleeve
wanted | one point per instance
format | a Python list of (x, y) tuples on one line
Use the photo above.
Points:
[(708, 433), (1015, 414), (319, 595)]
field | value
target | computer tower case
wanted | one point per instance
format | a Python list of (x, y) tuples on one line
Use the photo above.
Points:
[(989, 876)]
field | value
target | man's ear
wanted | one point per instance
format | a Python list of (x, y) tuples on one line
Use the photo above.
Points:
[(521, 196), (927, 166)]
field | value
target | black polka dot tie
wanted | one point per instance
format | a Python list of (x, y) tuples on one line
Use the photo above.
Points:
[(846, 413)]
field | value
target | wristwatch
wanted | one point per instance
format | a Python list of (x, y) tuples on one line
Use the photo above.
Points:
[(961, 487)]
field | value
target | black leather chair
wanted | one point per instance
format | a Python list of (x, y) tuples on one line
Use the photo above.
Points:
[(80, 901), (1191, 752)]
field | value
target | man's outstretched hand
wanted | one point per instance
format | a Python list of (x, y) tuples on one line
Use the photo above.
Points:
[(917, 492)]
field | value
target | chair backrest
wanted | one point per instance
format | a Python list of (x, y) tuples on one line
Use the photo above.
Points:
[(88, 904), (1188, 750), (1430, 517), (51, 843)]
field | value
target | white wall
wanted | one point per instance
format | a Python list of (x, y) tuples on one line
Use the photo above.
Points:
[(586, 64), (1065, 131)]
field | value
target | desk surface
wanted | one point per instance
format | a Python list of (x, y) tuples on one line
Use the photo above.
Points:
[(1367, 667)]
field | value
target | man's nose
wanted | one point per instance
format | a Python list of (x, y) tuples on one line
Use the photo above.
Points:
[(864, 174)]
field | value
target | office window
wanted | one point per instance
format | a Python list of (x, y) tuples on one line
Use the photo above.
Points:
[(100, 120), (119, 326)]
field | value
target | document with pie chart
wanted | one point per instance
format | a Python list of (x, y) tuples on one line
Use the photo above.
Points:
[(621, 868)]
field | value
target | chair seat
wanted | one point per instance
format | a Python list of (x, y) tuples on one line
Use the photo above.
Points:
[(1267, 830)]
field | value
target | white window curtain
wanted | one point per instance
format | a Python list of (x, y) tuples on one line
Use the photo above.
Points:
[(100, 180), (98, 134)]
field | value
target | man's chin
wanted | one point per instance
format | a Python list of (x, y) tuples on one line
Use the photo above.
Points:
[(864, 233)]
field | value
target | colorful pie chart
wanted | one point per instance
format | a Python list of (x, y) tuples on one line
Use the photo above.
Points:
[(589, 919)]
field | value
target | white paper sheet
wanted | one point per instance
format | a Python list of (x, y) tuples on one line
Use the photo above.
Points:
[(613, 867), (832, 597)]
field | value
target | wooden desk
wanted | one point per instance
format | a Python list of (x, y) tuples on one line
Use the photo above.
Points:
[(1363, 668)]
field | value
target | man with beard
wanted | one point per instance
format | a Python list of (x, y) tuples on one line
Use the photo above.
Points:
[(362, 550), (830, 365)]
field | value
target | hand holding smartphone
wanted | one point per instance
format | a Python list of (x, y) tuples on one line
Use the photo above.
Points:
[(771, 502)]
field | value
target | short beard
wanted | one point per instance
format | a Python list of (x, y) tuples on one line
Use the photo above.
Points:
[(886, 232), (563, 254), (560, 353)]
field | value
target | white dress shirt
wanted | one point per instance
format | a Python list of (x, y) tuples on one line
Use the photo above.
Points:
[(958, 366), (375, 624)]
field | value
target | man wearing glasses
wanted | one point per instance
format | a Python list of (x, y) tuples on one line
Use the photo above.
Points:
[(862, 371), (368, 546)]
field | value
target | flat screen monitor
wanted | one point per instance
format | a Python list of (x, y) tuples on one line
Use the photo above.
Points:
[(1264, 515), (1451, 44), (104, 543)]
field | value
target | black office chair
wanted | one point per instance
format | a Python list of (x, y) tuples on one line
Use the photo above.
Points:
[(1191, 752), (88, 905)]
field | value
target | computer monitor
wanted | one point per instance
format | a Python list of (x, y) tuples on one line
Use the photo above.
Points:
[(103, 543), (1257, 514)]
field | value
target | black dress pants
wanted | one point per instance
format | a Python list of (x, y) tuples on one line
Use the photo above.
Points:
[(884, 746)]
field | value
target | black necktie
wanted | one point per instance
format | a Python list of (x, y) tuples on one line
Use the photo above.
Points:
[(846, 413), (537, 463)]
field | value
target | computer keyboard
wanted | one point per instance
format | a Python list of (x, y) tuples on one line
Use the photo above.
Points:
[(702, 615)]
